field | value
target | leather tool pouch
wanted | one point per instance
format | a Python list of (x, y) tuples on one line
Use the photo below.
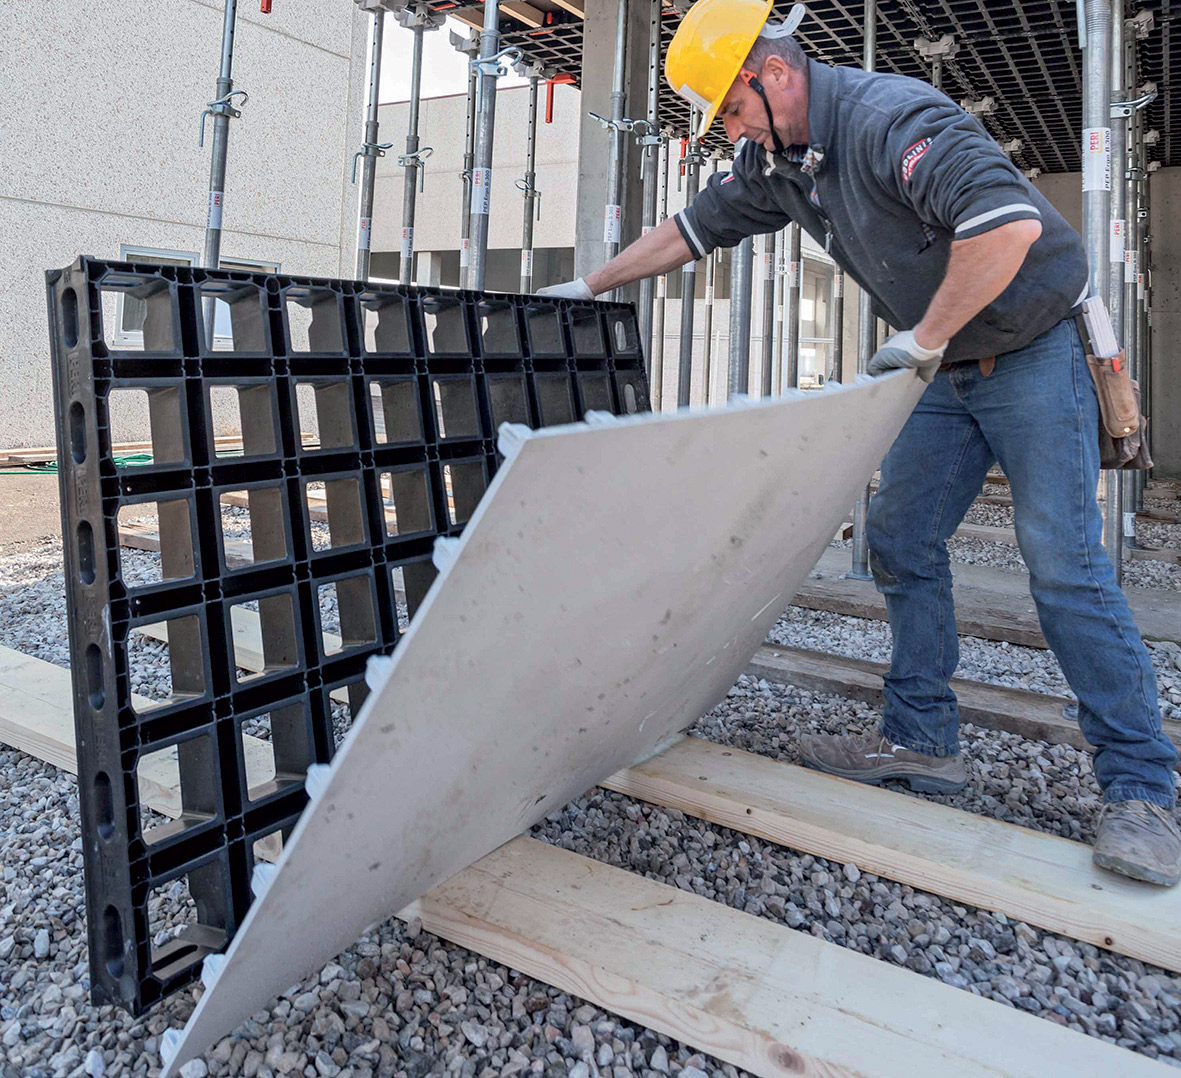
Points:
[(1123, 431)]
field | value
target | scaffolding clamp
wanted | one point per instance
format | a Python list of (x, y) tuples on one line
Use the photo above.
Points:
[(494, 66), (529, 189), (1123, 109), (370, 149), (415, 160), (222, 106)]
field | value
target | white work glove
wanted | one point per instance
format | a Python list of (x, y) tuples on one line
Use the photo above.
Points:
[(568, 290), (902, 351)]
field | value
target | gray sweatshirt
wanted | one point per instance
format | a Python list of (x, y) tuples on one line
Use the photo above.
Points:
[(894, 172)]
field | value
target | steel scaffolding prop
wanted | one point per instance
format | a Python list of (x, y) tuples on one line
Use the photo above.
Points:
[(1096, 177), (222, 109), (469, 45), (794, 290), (741, 273), (491, 67), (418, 19), (656, 355), (767, 242), (866, 336), (838, 325), (649, 165), (691, 163), (780, 290), (707, 325), (528, 186), (370, 150), (613, 214)]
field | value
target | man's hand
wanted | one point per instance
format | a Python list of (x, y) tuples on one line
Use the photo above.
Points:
[(902, 351), (568, 290)]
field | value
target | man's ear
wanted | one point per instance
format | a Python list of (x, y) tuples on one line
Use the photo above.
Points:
[(776, 72)]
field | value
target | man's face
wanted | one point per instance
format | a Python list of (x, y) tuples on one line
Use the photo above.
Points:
[(744, 116)]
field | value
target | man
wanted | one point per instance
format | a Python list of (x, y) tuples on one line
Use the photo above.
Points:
[(919, 205)]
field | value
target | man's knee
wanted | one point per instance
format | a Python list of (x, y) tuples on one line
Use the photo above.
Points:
[(887, 543)]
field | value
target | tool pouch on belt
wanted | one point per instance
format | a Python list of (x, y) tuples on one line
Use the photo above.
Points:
[(1123, 431)]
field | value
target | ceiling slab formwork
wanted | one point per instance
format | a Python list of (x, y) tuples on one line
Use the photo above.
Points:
[(589, 610), (1024, 56)]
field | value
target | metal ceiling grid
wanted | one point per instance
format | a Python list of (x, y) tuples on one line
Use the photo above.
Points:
[(1025, 56)]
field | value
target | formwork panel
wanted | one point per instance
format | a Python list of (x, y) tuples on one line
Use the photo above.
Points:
[(368, 418)]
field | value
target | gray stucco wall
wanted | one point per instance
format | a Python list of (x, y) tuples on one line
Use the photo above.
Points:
[(101, 150)]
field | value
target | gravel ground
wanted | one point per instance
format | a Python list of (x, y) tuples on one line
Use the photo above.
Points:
[(402, 1002)]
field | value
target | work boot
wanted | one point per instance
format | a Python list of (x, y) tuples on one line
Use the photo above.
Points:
[(872, 758), (1141, 840)]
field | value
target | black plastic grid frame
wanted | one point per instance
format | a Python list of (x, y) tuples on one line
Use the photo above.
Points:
[(406, 388)]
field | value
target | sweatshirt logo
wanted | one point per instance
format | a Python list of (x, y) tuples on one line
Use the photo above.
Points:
[(912, 156), (728, 178)]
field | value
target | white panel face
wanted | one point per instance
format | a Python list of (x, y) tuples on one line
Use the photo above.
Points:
[(608, 591)]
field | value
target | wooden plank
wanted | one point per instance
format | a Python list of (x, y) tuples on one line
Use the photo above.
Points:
[(575, 7), (531, 16), (994, 707), (994, 604), (1040, 879), (239, 554), (746, 990), (37, 717), (1008, 536)]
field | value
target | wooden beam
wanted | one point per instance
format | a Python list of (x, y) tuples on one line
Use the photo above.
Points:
[(531, 16), (37, 717), (989, 534), (1040, 879), (575, 7), (994, 707), (744, 989), (990, 603)]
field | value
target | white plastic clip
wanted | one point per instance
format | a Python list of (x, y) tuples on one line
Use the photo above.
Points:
[(600, 419), (211, 969), (169, 1043), (510, 437), (261, 879), (377, 671), (316, 781), (445, 552)]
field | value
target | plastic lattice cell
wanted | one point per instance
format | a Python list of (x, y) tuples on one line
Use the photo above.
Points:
[(367, 418)]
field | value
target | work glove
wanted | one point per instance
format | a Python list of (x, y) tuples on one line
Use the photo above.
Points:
[(902, 351), (568, 290)]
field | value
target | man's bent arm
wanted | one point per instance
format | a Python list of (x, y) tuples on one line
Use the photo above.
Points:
[(979, 270), (662, 249)]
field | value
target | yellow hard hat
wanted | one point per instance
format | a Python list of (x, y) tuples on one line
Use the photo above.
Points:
[(707, 51)]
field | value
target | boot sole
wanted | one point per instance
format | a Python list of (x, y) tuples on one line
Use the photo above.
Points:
[(1135, 871), (921, 784)]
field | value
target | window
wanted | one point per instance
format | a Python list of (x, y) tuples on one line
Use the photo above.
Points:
[(131, 311), (815, 322)]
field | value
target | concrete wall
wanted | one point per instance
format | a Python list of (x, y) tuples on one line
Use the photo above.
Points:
[(101, 112)]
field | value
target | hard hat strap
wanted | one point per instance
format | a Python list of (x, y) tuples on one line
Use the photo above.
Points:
[(752, 80)]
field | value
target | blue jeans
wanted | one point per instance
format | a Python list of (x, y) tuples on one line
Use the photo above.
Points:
[(1037, 414)]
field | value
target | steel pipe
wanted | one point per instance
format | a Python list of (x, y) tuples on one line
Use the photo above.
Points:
[(741, 273), (692, 165), (656, 360), (795, 285), (767, 379), (1097, 150), (485, 131), (707, 325), (651, 178), (530, 190), (838, 326), (779, 300), (613, 214), (368, 156), (410, 162), (866, 334), (469, 46)]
